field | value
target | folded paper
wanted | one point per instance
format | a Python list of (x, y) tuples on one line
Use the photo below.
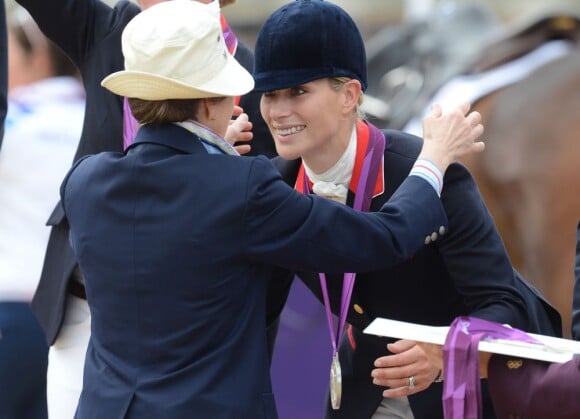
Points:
[(550, 349)]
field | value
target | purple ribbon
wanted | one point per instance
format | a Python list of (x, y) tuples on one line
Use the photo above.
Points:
[(462, 385), (130, 125), (362, 202), (229, 36)]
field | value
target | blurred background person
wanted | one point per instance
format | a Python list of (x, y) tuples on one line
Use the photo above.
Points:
[(45, 112), (3, 69)]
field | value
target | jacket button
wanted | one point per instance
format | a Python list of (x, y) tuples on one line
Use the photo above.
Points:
[(427, 239), (358, 309), (434, 237), (442, 230)]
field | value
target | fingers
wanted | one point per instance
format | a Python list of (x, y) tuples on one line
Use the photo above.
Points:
[(239, 129), (474, 118), (449, 135), (244, 136), (237, 111), (436, 110), (401, 346), (243, 148), (464, 108), (408, 360)]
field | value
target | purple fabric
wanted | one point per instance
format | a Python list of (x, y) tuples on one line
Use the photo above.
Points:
[(130, 125), (301, 358), (462, 386), (362, 202), (371, 166), (229, 36)]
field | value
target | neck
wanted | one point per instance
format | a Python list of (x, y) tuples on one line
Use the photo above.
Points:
[(324, 158)]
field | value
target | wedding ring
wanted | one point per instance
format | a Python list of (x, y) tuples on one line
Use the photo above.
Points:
[(411, 382)]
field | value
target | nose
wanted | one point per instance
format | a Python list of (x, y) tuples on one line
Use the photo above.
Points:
[(275, 107)]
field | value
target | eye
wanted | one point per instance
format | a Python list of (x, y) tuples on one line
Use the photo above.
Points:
[(297, 91), (269, 94)]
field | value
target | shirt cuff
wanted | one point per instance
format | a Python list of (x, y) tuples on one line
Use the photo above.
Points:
[(427, 170)]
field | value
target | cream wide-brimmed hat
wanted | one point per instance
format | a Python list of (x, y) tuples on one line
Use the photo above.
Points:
[(176, 50)]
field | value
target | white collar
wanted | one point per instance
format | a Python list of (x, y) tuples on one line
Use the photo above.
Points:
[(334, 182)]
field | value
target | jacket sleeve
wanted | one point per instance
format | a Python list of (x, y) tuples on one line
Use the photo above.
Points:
[(528, 388), (475, 256), (76, 26), (309, 233)]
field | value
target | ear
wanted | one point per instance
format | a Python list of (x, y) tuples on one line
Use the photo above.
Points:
[(352, 91), (205, 111)]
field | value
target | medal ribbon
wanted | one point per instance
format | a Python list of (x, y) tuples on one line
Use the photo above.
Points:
[(366, 179), (130, 124), (462, 385)]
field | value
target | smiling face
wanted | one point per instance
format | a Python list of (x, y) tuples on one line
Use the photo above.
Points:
[(313, 121)]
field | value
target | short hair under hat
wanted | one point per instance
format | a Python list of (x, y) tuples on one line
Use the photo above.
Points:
[(306, 40)]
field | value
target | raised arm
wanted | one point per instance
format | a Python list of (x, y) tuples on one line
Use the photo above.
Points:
[(76, 26)]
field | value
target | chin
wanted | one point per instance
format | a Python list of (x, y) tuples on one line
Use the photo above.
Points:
[(287, 154)]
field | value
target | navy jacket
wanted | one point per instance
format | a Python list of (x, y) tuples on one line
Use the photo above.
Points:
[(177, 246), (89, 32), (464, 272)]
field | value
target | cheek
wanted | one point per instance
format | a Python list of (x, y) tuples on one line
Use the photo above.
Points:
[(264, 110)]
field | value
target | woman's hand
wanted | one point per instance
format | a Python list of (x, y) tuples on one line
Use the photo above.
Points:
[(450, 135), (408, 360), (239, 130)]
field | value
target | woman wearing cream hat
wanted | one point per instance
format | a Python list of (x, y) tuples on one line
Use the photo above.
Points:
[(89, 32), (177, 237)]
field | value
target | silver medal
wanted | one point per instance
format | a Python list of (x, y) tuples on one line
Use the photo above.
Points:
[(335, 382)]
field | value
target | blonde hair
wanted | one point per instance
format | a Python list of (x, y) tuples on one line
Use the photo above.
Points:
[(336, 84)]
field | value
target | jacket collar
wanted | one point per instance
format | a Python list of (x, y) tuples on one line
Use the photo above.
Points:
[(169, 135)]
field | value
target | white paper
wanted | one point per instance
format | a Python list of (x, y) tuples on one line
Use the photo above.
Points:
[(551, 350)]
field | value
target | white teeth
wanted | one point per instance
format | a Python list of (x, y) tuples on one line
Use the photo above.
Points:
[(292, 130)]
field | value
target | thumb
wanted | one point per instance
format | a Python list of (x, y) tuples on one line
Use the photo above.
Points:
[(401, 346)]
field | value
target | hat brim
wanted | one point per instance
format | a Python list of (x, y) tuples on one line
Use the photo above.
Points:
[(269, 81), (232, 80)]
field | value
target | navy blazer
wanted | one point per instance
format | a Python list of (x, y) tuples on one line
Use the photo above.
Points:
[(177, 246), (525, 388), (89, 32), (464, 272)]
